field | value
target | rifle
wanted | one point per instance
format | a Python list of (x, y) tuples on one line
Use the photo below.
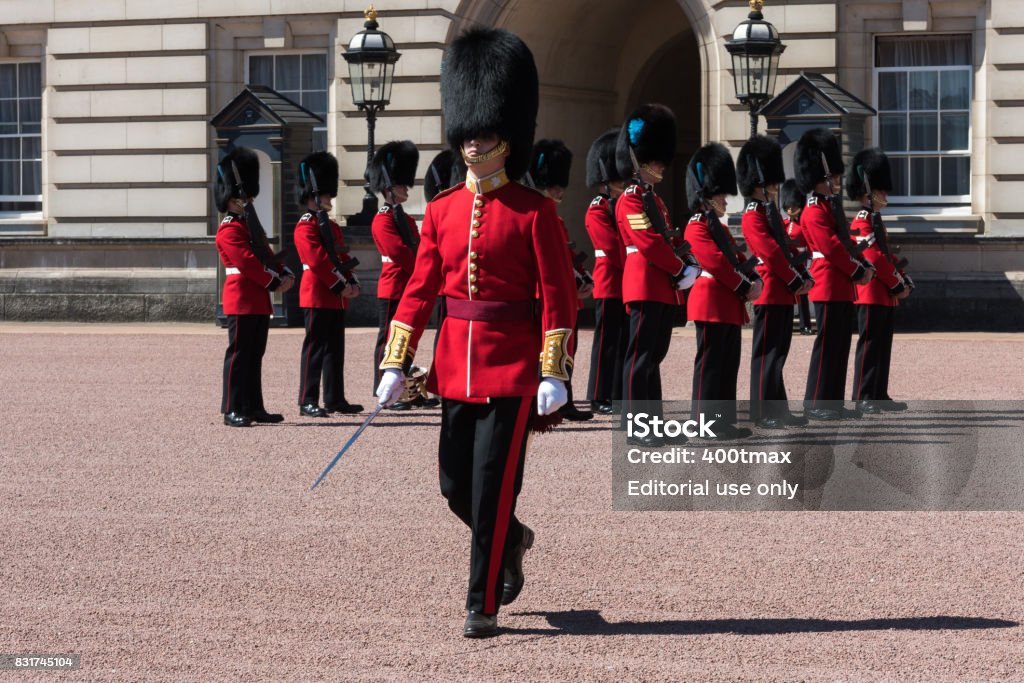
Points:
[(748, 267), (258, 241), (673, 236), (400, 221), (842, 227), (343, 268), (881, 236), (778, 232), (579, 258)]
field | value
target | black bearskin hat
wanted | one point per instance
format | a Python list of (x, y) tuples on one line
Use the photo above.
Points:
[(550, 164), (324, 166), (446, 170), (489, 84), (248, 165), (768, 154), (790, 195), (399, 158), (709, 172), (651, 131), (874, 164), (601, 166), (809, 169)]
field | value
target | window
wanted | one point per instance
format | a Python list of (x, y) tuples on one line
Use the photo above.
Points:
[(21, 158), (923, 96), (301, 78)]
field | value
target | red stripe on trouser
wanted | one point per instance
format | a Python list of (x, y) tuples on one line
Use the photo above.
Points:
[(764, 352), (309, 350), (821, 352), (636, 345), (600, 349), (703, 362), (505, 498), (231, 370), (859, 379)]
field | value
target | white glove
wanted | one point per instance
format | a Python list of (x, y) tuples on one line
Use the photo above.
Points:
[(690, 275), (390, 388), (551, 395)]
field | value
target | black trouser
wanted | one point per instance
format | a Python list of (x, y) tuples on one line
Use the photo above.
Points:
[(874, 352), (480, 468), (243, 364), (716, 367), (385, 312), (323, 352), (805, 312), (826, 375), (611, 334), (773, 335), (650, 334)]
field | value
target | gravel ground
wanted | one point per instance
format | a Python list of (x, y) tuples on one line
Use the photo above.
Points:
[(144, 535)]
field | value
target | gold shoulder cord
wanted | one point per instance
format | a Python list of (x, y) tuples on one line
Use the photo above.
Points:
[(554, 359), (397, 353)]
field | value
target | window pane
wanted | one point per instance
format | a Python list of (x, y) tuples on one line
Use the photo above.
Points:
[(892, 132), (287, 76), (924, 132), (30, 147), (924, 88), (898, 165), (319, 139), (8, 80), (938, 50), (31, 174), (28, 80), (261, 70), (10, 177), (892, 91), (956, 89), (8, 148), (956, 175), (924, 176), (955, 131), (31, 111), (314, 72), (316, 102)]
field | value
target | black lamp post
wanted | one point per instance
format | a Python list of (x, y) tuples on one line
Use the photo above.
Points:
[(371, 57), (755, 48)]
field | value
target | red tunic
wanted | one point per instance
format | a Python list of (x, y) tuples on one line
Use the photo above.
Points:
[(489, 240), (246, 278), (609, 252), (878, 291), (318, 273), (713, 297), (397, 258), (650, 260), (775, 269), (832, 266)]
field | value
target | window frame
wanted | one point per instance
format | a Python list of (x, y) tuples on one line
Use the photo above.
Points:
[(944, 203), (9, 216), (301, 52)]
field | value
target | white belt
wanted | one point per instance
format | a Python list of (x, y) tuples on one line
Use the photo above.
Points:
[(232, 271), (816, 255), (305, 267), (599, 253), (705, 273), (386, 259), (632, 250)]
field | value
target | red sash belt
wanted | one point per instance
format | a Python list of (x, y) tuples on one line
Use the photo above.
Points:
[(464, 309)]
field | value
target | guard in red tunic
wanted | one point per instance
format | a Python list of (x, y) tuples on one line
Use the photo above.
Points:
[(392, 172), (870, 184), (446, 169), (759, 172), (793, 200), (716, 303), (495, 250), (327, 284), (251, 273), (549, 173), (656, 271), (611, 331), (835, 266)]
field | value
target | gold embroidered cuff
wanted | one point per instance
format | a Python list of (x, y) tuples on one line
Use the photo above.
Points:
[(397, 354), (555, 360), (638, 221)]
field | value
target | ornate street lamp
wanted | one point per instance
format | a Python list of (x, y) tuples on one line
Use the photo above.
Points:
[(755, 48), (371, 57)]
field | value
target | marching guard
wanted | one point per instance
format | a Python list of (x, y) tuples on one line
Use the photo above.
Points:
[(870, 184), (835, 266), (611, 331), (759, 172), (793, 200), (495, 250), (327, 284), (251, 273)]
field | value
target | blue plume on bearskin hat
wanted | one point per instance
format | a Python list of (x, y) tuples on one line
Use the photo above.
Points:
[(809, 169), (325, 167), (446, 170), (550, 164), (709, 172), (225, 188), (790, 195), (489, 84), (767, 153), (873, 163), (601, 165), (399, 159), (651, 131)]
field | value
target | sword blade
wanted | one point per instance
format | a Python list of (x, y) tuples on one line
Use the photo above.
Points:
[(348, 444)]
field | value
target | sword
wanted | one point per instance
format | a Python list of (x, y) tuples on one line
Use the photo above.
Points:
[(347, 445)]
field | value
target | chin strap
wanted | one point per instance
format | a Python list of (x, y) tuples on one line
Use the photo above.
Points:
[(499, 149)]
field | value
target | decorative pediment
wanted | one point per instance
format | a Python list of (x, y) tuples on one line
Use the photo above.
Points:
[(259, 106), (814, 95)]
